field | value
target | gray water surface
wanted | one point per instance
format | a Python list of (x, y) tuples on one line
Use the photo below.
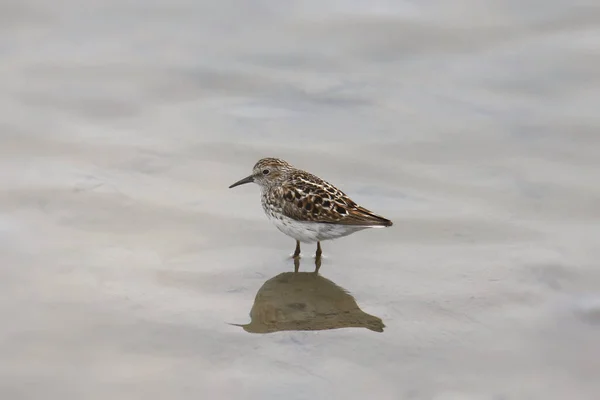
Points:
[(127, 266)]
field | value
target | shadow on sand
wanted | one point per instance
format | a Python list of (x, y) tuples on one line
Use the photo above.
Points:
[(306, 301)]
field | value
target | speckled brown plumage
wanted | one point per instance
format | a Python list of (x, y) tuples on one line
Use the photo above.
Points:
[(305, 206), (306, 197)]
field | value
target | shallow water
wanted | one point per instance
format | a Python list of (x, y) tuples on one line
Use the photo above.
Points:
[(127, 264)]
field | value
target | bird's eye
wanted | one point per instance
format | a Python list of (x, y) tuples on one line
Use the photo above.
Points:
[(265, 171)]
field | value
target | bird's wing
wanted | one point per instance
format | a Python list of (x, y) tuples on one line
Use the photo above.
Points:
[(309, 198)]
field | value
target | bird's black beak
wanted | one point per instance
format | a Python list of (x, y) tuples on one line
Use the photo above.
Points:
[(248, 179)]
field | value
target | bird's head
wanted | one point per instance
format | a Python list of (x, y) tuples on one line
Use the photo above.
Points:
[(267, 172)]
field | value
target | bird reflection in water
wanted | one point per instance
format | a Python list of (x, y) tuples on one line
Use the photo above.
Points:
[(306, 301)]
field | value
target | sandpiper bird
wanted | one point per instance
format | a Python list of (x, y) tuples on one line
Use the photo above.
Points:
[(307, 208)]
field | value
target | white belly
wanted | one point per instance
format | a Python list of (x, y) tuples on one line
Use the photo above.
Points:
[(310, 232)]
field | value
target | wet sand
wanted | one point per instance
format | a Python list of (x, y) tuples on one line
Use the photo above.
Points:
[(128, 267)]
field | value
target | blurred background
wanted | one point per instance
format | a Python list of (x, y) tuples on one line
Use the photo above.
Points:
[(125, 260)]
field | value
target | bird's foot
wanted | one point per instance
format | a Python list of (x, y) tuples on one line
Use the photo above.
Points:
[(317, 265), (296, 264)]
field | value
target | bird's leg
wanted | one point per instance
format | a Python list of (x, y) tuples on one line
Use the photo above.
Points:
[(296, 264), (318, 258), (297, 251), (319, 251)]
